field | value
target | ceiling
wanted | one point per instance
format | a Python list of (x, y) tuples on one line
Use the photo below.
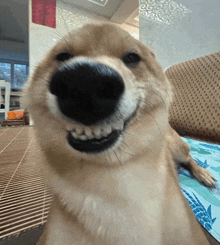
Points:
[(117, 11), (14, 25), (13, 21), (14, 18), (181, 29), (107, 10)]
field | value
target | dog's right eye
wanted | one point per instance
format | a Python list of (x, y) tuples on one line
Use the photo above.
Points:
[(63, 56)]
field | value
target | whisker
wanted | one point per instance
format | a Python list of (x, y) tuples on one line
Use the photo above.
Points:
[(117, 158), (145, 111), (156, 93), (119, 148), (61, 36), (148, 103)]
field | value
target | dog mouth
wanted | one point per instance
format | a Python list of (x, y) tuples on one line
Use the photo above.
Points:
[(88, 140), (94, 145)]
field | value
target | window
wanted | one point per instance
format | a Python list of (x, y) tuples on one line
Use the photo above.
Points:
[(20, 76), (14, 72), (5, 71)]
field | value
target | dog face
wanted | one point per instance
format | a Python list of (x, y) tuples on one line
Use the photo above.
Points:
[(96, 92)]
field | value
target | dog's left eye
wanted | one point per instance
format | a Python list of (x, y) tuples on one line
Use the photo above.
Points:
[(131, 59), (63, 56)]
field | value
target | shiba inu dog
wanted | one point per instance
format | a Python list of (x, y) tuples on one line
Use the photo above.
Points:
[(100, 104)]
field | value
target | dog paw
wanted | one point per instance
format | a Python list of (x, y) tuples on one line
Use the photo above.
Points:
[(205, 177)]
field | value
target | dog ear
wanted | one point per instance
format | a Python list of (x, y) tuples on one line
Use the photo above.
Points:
[(152, 53), (150, 50)]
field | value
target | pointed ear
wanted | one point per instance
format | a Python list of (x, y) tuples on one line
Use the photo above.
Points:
[(152, 53), (151, 50)]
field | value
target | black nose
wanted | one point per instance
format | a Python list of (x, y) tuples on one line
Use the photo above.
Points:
[(87, 91)]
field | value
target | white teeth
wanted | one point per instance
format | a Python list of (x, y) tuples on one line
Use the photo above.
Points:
[(69, 127), (79, 130), (118, 126), (83, 137), (74, 135), (107, 130), (97, 133), (88, 133)]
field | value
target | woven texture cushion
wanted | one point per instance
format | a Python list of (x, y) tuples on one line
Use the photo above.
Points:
[(195, 111)]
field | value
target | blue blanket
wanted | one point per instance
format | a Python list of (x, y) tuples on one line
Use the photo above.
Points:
[(204, 202)]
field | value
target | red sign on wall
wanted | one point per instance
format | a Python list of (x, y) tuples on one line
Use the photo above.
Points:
[(44, 12)]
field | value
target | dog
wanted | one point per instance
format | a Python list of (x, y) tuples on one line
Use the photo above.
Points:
[(100, 105)]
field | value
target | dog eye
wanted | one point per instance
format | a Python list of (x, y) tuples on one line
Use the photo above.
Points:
[(63, 56), (131, 59)]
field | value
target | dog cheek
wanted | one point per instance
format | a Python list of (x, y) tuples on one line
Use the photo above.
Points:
[(141, 73)]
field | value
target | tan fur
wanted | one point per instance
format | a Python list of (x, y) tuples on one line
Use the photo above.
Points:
[(129, 194)]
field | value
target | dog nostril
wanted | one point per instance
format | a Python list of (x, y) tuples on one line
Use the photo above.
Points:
[(110, 89), (57, 85)]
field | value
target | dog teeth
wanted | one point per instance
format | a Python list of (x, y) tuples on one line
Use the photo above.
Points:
[(97, 133), (87, 133), (118, 126), (107, 130), (78, 130), (74, 135), (83, 137)]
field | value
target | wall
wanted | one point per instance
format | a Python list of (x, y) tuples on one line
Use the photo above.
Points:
[(181, 30), (42, 38), (9, 55)]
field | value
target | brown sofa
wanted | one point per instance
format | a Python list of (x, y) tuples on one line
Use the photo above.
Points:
[(195, 111)]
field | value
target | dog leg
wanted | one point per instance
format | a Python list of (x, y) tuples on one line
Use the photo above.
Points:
[(180, 151), (200, 173)]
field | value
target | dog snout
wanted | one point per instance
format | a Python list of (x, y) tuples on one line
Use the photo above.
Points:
[(87, 92)]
